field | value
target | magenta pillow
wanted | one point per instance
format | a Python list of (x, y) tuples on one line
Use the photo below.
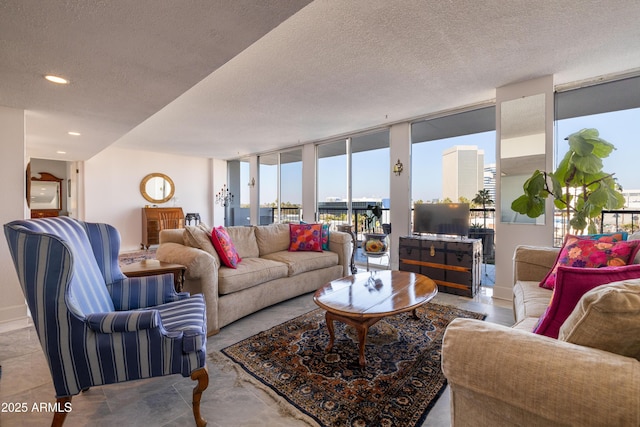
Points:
[(224, 247), (305, 237), (592, 252), (571, 284)]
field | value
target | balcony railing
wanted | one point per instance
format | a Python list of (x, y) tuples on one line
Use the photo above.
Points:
[(610, 221), (479, 218)]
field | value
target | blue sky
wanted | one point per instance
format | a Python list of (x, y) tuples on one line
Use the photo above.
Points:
[(371, 169), (622, 129)]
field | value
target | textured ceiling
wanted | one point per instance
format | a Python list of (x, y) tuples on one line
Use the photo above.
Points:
[(228, 78)]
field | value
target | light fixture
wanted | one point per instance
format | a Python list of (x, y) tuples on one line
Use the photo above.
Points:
[(56, 79), (224, 196), (397, 168), (72, 133), (61, 152), (252, 183)]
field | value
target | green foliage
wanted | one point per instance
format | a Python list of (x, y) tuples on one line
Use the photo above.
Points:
[(578, 185)]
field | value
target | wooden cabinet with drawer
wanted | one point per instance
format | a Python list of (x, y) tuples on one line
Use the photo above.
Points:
[(453, 263), (156, 219)]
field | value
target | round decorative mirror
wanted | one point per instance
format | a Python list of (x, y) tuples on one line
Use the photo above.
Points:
[(157, 188)]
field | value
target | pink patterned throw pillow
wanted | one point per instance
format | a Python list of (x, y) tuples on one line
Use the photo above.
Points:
[(592, 252), (305, 237), (224, 247), (571, 284)]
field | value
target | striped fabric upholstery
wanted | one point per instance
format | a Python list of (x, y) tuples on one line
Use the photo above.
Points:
[(105, 242), (86, 341)]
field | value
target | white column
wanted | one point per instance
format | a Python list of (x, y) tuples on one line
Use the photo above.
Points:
[(399, 186), (254, 195), (309, 203), (13, 165), (510, 235)]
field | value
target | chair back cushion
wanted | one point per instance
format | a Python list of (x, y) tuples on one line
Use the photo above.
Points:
[(87, 290), (105, 242)]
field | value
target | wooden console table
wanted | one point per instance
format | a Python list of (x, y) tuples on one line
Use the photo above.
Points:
[(152, 267)]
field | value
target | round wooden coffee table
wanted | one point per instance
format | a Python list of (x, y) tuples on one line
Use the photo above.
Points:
[(363, 299)]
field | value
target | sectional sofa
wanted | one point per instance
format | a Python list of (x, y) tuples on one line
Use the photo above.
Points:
[(268, 273), (588, 376)]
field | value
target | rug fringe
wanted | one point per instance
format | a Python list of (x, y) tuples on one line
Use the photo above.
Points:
[(284, 407)]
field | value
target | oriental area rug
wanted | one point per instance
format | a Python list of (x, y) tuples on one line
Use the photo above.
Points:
[(398, 386)]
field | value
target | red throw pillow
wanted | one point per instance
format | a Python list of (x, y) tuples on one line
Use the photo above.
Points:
[(224, 246), (592, 251), (571, 284), (305, 237)]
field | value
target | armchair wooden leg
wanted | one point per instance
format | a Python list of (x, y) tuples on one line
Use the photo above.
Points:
[(202, 376), (61, 412)]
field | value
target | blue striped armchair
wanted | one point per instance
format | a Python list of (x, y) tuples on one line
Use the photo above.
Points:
[(97, 326)]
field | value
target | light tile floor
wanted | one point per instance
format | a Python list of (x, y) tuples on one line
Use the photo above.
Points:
[(166, 401)]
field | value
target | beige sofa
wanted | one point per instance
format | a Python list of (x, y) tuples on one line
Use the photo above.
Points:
[(268, 273), (501, 376)]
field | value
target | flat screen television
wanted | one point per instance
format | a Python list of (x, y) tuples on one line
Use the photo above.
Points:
[(441, 218)]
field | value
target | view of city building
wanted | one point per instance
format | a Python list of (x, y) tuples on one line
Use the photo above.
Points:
[(462, 172)]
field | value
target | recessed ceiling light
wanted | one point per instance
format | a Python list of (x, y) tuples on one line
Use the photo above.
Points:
[(74, 133), (56, 79), (61, 152)]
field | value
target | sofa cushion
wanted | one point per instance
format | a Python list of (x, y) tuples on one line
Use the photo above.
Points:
[(272, 238), (199, 237), (325, 237), (592, 251), (607, 318), (225, 247), (571, 284), (529, 300), (635, 236), (301, 262), (244, 238), (305, 237), (250, 272)]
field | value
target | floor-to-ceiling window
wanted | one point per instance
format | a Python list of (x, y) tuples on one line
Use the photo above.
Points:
[(613, 108), (237, 211), (280, 181), (453, 157), (453, 160), (332, 183), (268, 181), (370, 171), (290, 186)]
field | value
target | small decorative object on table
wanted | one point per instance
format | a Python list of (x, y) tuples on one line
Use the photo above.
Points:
[(348, 228)]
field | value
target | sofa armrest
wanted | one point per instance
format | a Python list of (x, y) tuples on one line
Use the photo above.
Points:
[(133, 293), (532, 263), (123, 321), (503, 376), (171, 236), (201, 276), (340, 243)]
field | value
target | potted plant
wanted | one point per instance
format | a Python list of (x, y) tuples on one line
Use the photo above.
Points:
[(375, 239), (579, 186)]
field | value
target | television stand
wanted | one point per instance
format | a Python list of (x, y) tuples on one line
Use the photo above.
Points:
[(454, 263)]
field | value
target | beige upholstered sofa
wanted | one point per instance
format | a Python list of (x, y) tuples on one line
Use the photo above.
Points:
[(267, 274), (501, 376)]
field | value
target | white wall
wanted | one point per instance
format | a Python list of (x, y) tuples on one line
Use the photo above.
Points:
[(112, 188), (14, 206), (400, 187)]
